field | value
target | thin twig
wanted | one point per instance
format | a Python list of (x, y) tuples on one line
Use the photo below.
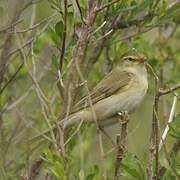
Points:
[(21, 98), (169, 90), (36, 25), (61, 60), (94, 116), (96, 30), (169, 122), (31, 40), (46, 110), (60, 78), (12, 78), (80, 11), (64, 36), (154, 140), (74, 133), (11, 26), (175, 149), (107, 5), (105, 35), (80, 52), (168, 158)]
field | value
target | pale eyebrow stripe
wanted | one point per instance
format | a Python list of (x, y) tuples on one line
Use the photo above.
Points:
[(133, 57)]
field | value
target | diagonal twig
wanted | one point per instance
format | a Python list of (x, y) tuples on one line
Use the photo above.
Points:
[(107, 5), (164, 135), (11, 79)]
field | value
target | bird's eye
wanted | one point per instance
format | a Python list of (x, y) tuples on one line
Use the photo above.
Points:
[(130, 59)]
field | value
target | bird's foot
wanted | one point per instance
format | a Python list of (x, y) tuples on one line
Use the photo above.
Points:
[(124, 117)]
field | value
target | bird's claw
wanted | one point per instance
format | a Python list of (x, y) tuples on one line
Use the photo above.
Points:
[(124, 117)]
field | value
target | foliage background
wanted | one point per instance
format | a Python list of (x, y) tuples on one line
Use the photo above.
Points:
[(34, 32)]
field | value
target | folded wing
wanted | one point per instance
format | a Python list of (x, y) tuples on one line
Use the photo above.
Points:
[(109, 85)]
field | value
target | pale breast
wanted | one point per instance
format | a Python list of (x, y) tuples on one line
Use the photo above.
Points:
[(137, 91), (128, 99)]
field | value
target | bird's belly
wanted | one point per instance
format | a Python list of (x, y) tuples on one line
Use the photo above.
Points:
[(126, 101)]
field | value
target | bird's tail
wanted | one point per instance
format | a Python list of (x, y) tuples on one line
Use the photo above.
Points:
[(67, 122)]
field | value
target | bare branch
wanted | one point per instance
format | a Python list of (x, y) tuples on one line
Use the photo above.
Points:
[(169, 90), (80, 51), (36, 25), (107, 5), (121, 144), (11, 26), (80, 11), (31, 40), (21, 98), (11, 79), (64, 36), (154, 139)]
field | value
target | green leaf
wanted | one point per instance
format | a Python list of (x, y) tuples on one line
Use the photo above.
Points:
[(59, 28), (175, 128), (70, 20), (54, 37), (132, 167), (82, 3), (153, 62), (168, 13), (141, 7), (54, 164), (55, 62), (94, 173), (173, 8), (90, 176)]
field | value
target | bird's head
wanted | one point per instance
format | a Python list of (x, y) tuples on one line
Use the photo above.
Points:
[(134, 58)]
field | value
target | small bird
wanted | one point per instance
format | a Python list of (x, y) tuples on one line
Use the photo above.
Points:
[(121, 90)]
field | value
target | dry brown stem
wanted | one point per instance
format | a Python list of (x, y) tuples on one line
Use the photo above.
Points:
[(121, 145)]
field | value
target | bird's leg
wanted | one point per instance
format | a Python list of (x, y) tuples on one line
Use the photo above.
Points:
[(124, 117)]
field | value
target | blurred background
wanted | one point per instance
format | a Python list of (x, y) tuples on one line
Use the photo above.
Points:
[(31, 37)]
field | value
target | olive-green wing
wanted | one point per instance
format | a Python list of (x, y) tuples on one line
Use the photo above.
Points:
[(110, 84)]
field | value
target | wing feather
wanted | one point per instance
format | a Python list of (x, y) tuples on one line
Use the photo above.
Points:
[(110, 84)]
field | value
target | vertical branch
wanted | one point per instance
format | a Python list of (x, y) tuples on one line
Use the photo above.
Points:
[(59, 77), (156, 134), (80, 11), (154, 139), (77, 62), (80, 52), (121, 145), (64, 36)]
